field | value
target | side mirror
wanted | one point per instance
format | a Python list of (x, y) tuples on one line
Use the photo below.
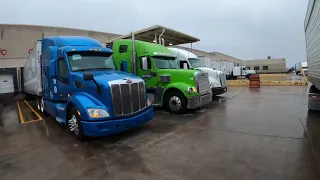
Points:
[(185, 66), (88, 76), (52, 69), (124, 66), (144, 63)]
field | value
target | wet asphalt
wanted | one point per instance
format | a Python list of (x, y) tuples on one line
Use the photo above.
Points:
[(264, 133)]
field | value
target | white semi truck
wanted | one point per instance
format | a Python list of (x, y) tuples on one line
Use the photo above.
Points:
[(301, 65), (217, 79), (312, 35), (243, 71)]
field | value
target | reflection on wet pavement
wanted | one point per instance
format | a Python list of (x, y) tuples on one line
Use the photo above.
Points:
[(243, 134)]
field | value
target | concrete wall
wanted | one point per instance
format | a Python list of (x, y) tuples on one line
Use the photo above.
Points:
[(18, 39), (274, 65)]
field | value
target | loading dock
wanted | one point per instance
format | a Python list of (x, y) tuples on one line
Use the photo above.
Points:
[(8, 80), (6, 84)]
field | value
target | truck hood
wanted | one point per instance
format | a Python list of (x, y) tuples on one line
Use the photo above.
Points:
[(214, 78), (108, 75), (102, 77), (179, 75)]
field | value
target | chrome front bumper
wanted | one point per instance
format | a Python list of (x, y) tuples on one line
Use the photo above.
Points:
[(196, 102), (219, 90)]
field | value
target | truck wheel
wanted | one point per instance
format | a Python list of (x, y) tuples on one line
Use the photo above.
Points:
[(38, 103), (312, 90), (40, 106), (74, 124), (175, 102)]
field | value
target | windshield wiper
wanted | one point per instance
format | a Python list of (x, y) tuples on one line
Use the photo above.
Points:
[(80, 70), (94, 69), (105, 68)]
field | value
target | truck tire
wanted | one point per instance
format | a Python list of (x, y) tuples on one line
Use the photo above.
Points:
[(312, 90), (175, 102), (74, 124)]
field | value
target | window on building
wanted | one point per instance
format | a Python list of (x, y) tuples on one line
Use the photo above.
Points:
[(265, 67), (256, 68), (123, 48)]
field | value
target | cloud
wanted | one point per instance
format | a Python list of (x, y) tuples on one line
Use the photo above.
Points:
[(246, 29)]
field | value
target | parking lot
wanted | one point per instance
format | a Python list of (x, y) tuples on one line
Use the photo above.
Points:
[(264, 133)]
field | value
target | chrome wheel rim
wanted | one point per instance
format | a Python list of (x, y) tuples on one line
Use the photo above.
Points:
[(175, 103), (41, 106), (38, 103), (73, 124)]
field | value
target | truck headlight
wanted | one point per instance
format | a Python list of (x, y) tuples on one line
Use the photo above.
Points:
[(192, 90), (149, 102), (97, 113)]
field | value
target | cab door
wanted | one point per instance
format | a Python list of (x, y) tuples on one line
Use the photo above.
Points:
[(149, 76), (63, 81)]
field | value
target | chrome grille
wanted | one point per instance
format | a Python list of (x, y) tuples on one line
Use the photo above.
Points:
[(223, 80), (203, 83), (127, 98)]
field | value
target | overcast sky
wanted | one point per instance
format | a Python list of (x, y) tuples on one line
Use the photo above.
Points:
[(246, 29)]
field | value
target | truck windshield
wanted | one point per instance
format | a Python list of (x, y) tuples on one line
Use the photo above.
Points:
[(195, 62), (87, 60), (163, 62)]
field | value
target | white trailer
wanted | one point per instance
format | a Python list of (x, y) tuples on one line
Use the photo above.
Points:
[(32, 72), (301, 65), (206, 62), (225, 66), (312, 35)]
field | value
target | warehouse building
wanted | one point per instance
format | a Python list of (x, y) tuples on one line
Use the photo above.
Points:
[(267, 65), (214, 56), (16, 43)]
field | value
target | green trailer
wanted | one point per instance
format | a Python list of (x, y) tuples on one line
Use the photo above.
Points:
[(167, 85)]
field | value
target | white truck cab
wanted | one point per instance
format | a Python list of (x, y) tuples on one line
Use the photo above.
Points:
[(188, 60), (242, 71)]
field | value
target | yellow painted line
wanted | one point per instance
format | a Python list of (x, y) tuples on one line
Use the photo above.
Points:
[(274, 75), (266, 83), (20, 113), (243, 82), (33, 121), (40, 118)]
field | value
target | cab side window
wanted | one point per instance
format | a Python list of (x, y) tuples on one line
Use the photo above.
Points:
[(123, 48), (62, 68)]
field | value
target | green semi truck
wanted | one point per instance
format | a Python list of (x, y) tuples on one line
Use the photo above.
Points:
[(167, 85)]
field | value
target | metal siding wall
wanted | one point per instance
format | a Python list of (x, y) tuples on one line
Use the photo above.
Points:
[(312, 32)]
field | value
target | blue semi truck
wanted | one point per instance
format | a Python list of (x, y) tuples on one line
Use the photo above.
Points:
[(74, 80)]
